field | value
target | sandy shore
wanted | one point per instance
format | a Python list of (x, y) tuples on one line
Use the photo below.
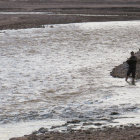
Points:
[(123, 133)]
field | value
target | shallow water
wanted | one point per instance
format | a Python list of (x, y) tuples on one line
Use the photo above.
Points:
[(63, 73)]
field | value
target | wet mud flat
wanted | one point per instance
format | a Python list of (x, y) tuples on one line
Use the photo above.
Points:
[(37, 21), (121, 133)]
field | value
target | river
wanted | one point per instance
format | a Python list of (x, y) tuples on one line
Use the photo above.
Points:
[(62, 72)]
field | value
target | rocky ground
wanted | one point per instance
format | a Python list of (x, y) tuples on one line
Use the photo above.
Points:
[(121, 70), (122, 133)]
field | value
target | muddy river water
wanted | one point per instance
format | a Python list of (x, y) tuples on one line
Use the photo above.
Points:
[(62, 72)]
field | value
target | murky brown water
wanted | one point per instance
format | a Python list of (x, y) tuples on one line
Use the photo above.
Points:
[(63, 72)]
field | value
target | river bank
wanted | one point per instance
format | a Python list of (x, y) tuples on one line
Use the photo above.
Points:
[(64, 12), (23, 21), (122, 133)]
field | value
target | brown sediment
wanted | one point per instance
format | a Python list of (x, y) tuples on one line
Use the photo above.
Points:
[(123, 133), (32, 21)]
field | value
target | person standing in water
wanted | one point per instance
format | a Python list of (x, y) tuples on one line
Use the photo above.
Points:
[(132, 61)]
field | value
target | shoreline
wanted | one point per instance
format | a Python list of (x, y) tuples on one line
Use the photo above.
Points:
[(21, 21), (112, 133), (77, 11)]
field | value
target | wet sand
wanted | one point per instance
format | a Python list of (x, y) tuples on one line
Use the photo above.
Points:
[(123, 133)]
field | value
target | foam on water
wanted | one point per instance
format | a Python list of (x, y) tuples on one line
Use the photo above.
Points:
[(22, 128), (52, 13), (63, 72)]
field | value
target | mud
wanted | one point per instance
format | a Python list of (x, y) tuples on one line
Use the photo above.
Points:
[(122, 133)]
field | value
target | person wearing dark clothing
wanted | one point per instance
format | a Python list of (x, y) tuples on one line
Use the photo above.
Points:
[(132, 61)]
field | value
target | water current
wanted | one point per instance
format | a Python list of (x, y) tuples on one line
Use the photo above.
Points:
[(62, 72)]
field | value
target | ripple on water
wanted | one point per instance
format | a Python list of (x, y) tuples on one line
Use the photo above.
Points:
[(64, 72)]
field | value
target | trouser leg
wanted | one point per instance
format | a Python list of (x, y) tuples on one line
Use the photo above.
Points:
[(133, 76), (128, 74)]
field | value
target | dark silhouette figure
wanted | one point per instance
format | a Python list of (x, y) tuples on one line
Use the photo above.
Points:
[(132, 61)]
